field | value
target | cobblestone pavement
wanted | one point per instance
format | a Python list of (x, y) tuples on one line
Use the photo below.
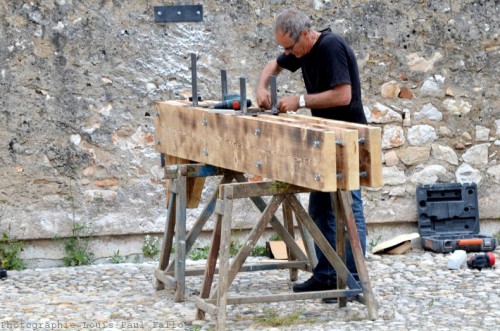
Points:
[(415, 291)]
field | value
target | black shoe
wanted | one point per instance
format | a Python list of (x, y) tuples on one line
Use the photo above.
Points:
[(3, 273), (312, 285)]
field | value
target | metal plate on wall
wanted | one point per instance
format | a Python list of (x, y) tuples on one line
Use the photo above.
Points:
[(182, 13)]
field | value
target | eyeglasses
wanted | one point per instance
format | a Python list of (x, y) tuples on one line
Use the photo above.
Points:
[(289, 48)]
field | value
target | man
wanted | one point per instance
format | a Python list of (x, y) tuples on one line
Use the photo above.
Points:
[(331, 79)]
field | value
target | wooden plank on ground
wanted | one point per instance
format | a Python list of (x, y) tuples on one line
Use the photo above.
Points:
[(280, 151)]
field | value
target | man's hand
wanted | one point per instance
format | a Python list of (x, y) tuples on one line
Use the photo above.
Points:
[(262, 92), (263, 98), (289, 103)]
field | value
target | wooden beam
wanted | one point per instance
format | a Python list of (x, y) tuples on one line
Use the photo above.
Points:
[(165, 279), (347, 149), (302, 265), (370, 148), (204, 306), (194, 184), (258, 189), (289, 296), (289, 153)]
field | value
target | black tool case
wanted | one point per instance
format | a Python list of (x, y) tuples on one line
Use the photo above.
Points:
[(448, 218)]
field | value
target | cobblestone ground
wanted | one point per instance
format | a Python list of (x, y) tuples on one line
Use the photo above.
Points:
[(415, 291)]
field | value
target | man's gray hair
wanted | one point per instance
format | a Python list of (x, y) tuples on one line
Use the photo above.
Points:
[(292, 22)]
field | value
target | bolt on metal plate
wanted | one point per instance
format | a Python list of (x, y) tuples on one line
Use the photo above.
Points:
[(181, 13)]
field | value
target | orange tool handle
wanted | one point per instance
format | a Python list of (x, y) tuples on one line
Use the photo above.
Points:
[(470, 242)]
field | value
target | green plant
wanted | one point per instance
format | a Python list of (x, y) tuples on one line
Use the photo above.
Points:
[(151, 246), (275, 237), (234, 247), (272, 318), (258, 251), (117, 258), (199, 253), (76, 247), (9, 253)]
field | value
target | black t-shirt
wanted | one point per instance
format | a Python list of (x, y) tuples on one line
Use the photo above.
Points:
[(330, 62)]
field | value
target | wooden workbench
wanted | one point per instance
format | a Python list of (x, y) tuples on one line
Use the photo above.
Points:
[(297, 154)]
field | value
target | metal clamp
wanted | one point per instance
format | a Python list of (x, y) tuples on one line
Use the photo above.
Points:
[(194, 85), (274, 96), (243, 96)]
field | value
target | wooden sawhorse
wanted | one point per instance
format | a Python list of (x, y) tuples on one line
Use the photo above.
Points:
[(215, 303), (173, 273)]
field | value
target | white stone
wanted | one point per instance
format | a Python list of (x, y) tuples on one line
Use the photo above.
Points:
[(444, 131), (382, 114), (393, 136), (467, 137), (467, 174), (318, 4), (397, 192), (497, 129), (106, 81), (106, 110), (391, 158), (107, 195), (417, 63), (457, 107), (59, 27), (368, 113), (414, 155), (494, 172), (390, 89), (430, 112), (482, 133), (151, 87), (157, 172), (477, 155), (445, 153), (421, 135), (431, 88), (407, 118), (75, 139), (439, 79), (432, 174), (393, 176)]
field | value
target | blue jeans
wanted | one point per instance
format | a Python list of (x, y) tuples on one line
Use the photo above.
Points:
[(320, 210)]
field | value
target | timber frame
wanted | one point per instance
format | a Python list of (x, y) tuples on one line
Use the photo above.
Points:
[(301, 154), (320, 154)]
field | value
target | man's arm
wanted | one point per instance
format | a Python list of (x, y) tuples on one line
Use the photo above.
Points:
[(340, 95), (262, 92)]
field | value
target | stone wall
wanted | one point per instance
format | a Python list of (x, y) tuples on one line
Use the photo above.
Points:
[(77, 79)]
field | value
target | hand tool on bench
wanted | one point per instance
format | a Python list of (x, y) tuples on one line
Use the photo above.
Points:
[(229, 105)]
